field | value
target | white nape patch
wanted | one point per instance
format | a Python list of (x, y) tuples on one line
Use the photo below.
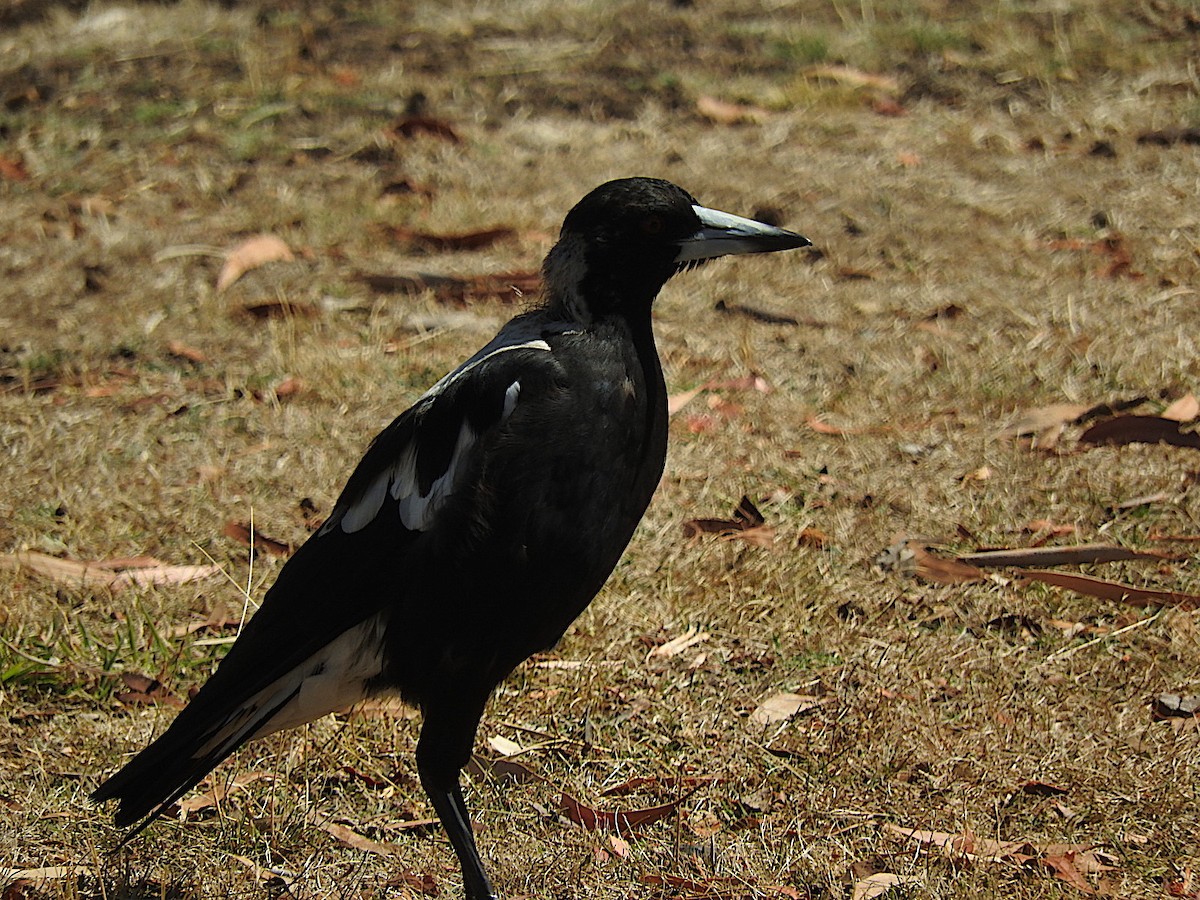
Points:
[(333, 678), (510, 400)]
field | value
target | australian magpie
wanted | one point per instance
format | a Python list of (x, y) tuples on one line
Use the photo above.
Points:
[(478, 525)]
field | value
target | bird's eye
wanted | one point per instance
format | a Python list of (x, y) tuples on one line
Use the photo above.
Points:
[(652, 225)]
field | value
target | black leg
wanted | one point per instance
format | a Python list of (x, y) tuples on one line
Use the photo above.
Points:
[(444, 748), (452, 810)]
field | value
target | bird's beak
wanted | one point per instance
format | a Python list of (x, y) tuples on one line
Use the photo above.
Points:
[(724, 234)]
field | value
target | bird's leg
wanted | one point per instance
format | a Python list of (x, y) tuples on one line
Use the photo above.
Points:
[(442, 751)]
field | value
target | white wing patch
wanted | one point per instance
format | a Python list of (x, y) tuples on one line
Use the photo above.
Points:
[(333, 678), (417, 509), (510, 400), (400, 479)]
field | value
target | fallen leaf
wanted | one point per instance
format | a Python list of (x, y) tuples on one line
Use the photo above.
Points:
[(247, 537), (1164, 137), (146, 690), (220, 789), (508, 287), (45, 873), (465, 240), (422, 883), (1064, 867), (758, 315), (852, 77), (1059, 556), (352, 838), (504, 746), (1139, 430), (1042, 789), (411, 126), (13, 169), (725, 113), (879, 884), (279, 308), (939, 570), (814, 537), (105, 574), (185, 351), (673, 647), (676, 402), (620, 846), (783, 706), (1112, 590), (250, 254), (620, 821), (1185, 409), (747, 524), (967, 845), (1045, 423), (1167, 706)]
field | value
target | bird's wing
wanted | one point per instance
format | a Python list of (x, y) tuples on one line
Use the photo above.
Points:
[(316, 641), (355, 564)]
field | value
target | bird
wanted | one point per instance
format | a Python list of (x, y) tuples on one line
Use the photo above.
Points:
[(477, 526)]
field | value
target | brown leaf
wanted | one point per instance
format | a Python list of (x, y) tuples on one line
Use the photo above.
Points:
[(939, 570), (219, 791), (13, 169), (676, 402), (814, 537), (279, 308), (352, 838), (673, 647), (105, 574), (1042, 789), (757, 315), (619, 821), (1064, 867), (1139, 430), (422, 883), (250, 254), (465, 240), (967, 844), (747, 524), (146, 690), (1185, 409), (852, 77), (411, 126), (1168, 706), (879, 884), (725, 113), (241, 532), (1059, 556), (1164, 137), (185, 351), (508, 287), (1112, 590), (1045, 423), (783, 706), (288, 387)]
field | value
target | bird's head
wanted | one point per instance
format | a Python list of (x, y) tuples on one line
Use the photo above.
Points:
[(620, 244)]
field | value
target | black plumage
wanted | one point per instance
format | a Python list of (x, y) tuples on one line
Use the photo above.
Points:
[(478, 525)]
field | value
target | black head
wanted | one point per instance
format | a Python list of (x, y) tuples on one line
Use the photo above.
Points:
[(620, 244)]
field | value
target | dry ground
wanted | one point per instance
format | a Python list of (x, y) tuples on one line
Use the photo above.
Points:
[(956, 200)]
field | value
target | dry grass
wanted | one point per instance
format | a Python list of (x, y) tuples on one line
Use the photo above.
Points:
[(155, 136)]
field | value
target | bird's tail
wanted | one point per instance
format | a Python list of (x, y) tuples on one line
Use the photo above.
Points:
[(175, 763), (221, 718)]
